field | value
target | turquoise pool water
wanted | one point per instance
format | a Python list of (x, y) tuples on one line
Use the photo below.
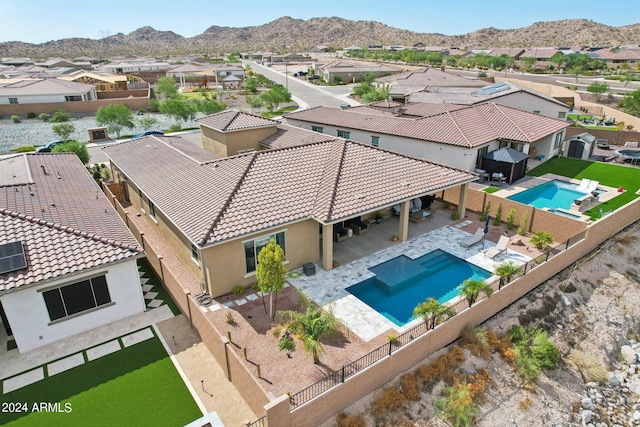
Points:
[(552, 194), (401, 283)]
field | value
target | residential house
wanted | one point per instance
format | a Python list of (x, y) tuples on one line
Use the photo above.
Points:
[(64, 63), (615, 59), (352, 72), (541, 54), (317, 49), (400, 86), (16, 62), (458, 137), (289, 57), (103, 82), (513, 53), (504, 93), (217, 215), (67, 260), (34, 91), (124, 67)]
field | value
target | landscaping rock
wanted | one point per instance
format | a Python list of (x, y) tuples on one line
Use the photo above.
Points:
[(628, 354)]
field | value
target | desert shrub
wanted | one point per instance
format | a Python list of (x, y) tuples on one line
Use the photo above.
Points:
[(457, 405), (511, 218), (498, 218), (533, 352), (276, 331), (96, 175), (475, 340), (174, 128), (524, 404), (541, 239), (348, 420), (59, 116), (106, 174), (229, 317), (591, 368), (286, 342), (24, 149), (31, 115), (485, 212), (455, 215), (522, 229), (390, 400), (409, 386), (238, 290), (15, 119), (44, 117)]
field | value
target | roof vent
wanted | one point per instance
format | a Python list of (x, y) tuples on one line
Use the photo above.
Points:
[(404, 183), (359, 196)]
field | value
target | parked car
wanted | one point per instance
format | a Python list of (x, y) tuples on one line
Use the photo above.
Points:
[(345, 106), (314, 77), (49, 146), (147, 133), (300, 74)]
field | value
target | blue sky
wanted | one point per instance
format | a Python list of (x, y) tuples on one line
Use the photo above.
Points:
[(38, 21)]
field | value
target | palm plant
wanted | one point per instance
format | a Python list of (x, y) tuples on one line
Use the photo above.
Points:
[(472, 288), (311, 326), (505, 270), (433, 312)]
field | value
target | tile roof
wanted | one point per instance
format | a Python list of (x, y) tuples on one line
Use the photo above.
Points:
[(422, 109), (224, 199), (469, 126), (291, 136), (44, 87), (429, 77), (344, 66), (230, 120), (60, 212)]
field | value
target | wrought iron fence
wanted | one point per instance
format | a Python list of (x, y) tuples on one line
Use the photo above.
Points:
[(346, 371), (260, 422)]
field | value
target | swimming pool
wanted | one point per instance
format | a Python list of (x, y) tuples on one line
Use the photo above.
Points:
[(401, 283), (552, 194)]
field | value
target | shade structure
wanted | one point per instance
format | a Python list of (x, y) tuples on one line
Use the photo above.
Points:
[(507, 161)]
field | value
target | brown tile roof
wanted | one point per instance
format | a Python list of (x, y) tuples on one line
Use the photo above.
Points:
[(386, 104), (368, 109), (291, 136), (231, 120), (469, 126), (44, 87), (233, 196), (429, 77), (421, 109), (65, 219)]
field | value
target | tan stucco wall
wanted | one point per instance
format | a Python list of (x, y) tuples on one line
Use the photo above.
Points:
[(229, 143), (225, 263)]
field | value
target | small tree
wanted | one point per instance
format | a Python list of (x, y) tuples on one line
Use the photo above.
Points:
[(270, 271), (115, 117), (167, 87), (251, 85), (147, 122), (433, 312), (498, 218), (180, 111), (522, 229), (254, 102), (472, 288), (505, 270), (541, 239), (59, 116), (528, 61), (511, 218), (63, 130), (73, 147), (485, 212), (597, 89), (275, 96)]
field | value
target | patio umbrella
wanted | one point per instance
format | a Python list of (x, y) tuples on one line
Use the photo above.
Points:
[(486, 229)]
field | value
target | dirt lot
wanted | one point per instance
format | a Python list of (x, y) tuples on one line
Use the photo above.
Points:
[(600, 314)]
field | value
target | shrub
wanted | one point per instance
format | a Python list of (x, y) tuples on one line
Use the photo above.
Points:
[(498, 218), (511, 218), (348, 420), (522, 229), (106, 174), (591, 368), (486, 212), (154, 105), (24, 149), (286, 342), (59, 116), (475, 340), (457, 405), (96, 175), (16, 119), (541, 239), (533, 352), (229, 317), (31, 115), (239, 290), (390, 400), (409, 386), (455, 215), (174, 127), (44, 117), (79, 148)]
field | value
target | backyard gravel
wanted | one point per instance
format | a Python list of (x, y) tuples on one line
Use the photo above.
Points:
[(36, 132)]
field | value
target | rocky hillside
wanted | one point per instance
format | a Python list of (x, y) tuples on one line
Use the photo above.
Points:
[(288, 34)]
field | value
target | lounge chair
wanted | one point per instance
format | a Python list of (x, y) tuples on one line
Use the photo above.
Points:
[(340, 233), (592, 187), (476, 238), (584, 184), (631, 144), (498, 248), (358, 226)]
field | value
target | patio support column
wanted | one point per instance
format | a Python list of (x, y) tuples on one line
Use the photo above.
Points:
[(327, 246), (462, 201), (403, 231)]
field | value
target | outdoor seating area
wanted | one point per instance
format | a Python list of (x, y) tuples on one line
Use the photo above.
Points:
[(358, 226), (476, 238), (499, 248)]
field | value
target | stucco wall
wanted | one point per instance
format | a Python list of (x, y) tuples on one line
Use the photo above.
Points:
[(229, 143), (72, 107), (225, 262), (29, 318), (531, 103)]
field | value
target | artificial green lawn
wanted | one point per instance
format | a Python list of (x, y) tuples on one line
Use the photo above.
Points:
[(607, 174), (492, 190), (136, 386), (163, 294)]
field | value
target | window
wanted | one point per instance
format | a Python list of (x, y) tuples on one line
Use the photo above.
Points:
[(343, 134), (375, 140), (562, 115), (72, 299), (194, 254), (318, 129), (481, 152), (69, 98), (253, 247), (141, 200), (558, 140), (152, 210), (13, 100)]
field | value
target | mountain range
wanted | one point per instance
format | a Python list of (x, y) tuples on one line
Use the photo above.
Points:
[(296, 35)]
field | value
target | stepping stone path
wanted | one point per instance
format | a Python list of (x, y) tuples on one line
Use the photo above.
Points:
[(150, 284)]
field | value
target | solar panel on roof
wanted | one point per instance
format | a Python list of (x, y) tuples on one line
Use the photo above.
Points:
[(494, 88), (12, 257)]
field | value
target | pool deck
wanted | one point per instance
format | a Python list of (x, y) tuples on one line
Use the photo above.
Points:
[(328, 288)]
